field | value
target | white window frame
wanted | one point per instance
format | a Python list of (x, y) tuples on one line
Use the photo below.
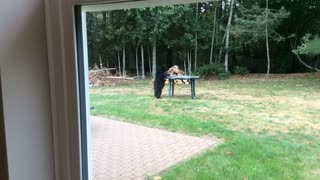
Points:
[(64, 85)]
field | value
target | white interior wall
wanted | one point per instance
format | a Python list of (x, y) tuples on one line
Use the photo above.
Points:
[(25, 83)]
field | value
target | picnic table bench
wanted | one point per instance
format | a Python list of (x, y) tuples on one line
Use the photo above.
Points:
[(191, 79)]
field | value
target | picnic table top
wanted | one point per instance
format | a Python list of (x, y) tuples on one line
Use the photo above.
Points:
[(183, 77)]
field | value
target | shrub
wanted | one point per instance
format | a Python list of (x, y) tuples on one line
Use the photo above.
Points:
[(223, 76), (241, 70), (210, 70)]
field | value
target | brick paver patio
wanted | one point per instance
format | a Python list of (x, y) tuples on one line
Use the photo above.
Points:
[(122, 150)]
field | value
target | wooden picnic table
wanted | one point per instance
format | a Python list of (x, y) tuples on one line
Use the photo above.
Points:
[(191, 79)]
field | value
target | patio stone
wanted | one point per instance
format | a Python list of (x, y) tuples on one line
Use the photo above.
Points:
[(127, 151)]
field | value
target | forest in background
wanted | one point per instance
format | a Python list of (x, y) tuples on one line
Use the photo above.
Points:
[(261, 35)]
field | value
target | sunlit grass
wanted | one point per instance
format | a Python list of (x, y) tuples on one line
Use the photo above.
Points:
[(270, 128)]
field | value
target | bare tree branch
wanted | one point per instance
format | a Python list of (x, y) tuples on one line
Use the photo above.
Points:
[(305, 64)]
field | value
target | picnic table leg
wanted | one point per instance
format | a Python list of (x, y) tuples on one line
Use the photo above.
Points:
[(191, 84), (172, 88), (169, 92), (193, 89)]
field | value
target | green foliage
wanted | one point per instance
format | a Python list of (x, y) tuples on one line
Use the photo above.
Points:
[(241, 70), (310, 45), (251, 23), (224, 75), (175, 27), (314, 46), (217, 70)]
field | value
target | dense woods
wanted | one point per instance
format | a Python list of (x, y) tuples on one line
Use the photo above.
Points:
[(262, 36)]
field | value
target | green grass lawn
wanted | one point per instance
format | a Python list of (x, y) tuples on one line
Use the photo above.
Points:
[(270, 129)]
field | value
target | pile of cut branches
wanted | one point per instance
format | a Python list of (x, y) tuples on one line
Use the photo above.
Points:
[(104, 77)]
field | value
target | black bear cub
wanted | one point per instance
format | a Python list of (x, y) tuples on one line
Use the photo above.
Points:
[(159, 80)]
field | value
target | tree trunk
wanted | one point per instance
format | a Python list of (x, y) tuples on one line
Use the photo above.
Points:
[(189, 63), (267, 40), (196, 40), (104, 17), (305, 64), (101, 65), (149, 58), (137, 63), (154, 56), (119, 63), (184, 66), (226, 57), (221, 49), (142, 61), (213, 34), (124, 73)]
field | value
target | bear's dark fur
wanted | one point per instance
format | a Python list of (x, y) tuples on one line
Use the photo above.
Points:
[(159, 80)]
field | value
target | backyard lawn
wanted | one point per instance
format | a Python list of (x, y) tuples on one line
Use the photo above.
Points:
[(269, 129)]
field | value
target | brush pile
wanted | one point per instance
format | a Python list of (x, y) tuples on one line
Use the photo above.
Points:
[(104, 77)]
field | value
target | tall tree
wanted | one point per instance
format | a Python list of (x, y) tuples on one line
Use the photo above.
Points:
[(138, 35), (226, 57), (254, 24), (150, 63), (267, 39), (185, 36), (189, 63), (157, 19), (119, 63), (213, 34), (154, 54), (142, 61), (196, 39), (174, 33), (137, 59), (124, 71)]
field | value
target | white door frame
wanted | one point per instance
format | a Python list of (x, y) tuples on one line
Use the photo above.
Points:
[(64, 79)]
